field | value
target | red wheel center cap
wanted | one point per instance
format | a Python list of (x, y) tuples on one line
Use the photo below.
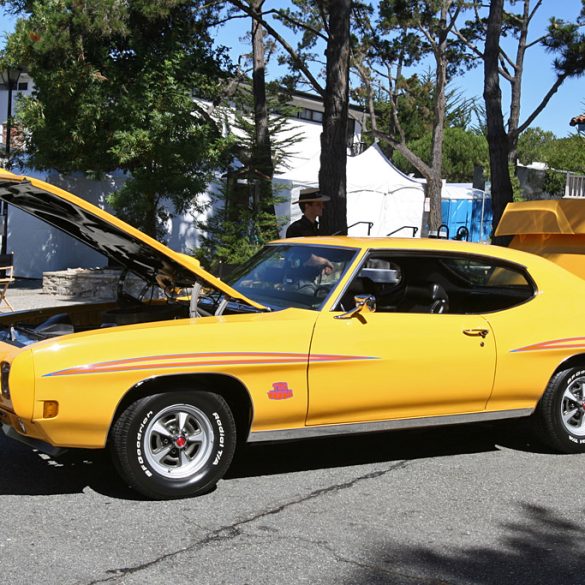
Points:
[(180, 442)]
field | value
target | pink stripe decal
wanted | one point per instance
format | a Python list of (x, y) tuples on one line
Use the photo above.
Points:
[(567, 343), (203, 359)]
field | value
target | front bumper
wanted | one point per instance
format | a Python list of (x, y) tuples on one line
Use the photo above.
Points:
[(9, 431), (26, 432)]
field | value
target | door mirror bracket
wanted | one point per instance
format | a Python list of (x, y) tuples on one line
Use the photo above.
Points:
[(363, 304)]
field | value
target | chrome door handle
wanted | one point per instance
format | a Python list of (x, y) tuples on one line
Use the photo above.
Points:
[(476, 332)]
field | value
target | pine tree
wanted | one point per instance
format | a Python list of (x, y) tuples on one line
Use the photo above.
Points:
[(114, 90)]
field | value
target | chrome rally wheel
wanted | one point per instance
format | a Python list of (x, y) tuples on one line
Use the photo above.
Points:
[(178, 441), (561, 411), (573, 407)]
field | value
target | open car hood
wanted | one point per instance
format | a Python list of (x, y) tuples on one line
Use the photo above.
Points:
[(115, 239)]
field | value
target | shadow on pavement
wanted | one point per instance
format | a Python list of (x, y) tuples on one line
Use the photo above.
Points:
[(286, 457), (25, 471), (537, 548), (28, 472)]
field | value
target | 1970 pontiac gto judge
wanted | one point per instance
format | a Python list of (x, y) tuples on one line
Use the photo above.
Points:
[(310, 337)]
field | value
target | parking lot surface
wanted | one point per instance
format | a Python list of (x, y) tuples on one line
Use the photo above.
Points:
[(480, 504), (464, 505)]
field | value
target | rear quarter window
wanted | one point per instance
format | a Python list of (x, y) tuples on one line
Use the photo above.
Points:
[(487, 285)]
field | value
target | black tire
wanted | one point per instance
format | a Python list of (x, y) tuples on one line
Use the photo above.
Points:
[(560, 415), (174, 445)]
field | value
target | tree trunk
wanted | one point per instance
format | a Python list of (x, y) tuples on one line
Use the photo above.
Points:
[(435, 186), (496, 133), (332, 173), (516, 86), (150, 215), (262, 169)]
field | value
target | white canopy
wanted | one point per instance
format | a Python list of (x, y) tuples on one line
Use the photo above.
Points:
[(377, 192)]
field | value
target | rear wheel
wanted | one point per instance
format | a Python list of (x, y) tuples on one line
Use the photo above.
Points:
[(561, 411), (174, 445)]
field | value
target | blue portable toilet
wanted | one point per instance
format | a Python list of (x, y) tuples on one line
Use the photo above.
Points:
[(463, 206)]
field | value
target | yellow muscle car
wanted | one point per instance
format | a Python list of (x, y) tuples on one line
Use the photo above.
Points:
[(311, 337)]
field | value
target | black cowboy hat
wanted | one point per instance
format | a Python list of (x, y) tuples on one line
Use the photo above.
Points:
[(312, 195)]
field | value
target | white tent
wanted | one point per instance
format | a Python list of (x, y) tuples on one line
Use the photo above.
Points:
[(377, 192)]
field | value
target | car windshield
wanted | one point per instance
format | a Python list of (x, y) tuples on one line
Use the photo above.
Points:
[(295, 275)]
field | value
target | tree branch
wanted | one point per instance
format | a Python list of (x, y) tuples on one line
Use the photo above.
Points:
[(454, 16), (284, 44), (471, 46), (296, 22), (428, 36), (543, 103), (536, 41), (323, 16), (412, 158), (505, 59), (536, 7), (504, 72)]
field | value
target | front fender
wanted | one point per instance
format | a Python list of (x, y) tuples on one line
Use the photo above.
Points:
[(90, 374)]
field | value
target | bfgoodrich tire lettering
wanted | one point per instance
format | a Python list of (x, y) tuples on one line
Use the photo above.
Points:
[(561, 411), (174, 445)]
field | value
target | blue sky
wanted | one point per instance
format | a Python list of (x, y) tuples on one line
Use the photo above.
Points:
[(538, 76)]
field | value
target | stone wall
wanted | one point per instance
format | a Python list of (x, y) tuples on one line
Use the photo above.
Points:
[(84, 283)]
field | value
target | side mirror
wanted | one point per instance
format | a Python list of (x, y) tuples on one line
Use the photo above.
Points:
[(363, 304)]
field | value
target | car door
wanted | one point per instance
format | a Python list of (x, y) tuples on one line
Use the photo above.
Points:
[(402, 361), (399, 365)]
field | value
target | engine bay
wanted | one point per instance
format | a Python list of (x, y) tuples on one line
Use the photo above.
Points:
[(138, 301), (23, 328)]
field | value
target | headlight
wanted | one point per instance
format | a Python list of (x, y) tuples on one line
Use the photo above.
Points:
[(4, 373)]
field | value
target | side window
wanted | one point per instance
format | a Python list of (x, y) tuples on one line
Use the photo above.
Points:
[(484, 285), (435, 283), (379, 276)]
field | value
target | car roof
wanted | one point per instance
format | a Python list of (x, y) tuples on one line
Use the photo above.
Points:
[(417, 244)]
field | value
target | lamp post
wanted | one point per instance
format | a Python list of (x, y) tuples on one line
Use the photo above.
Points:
[(9, 77)]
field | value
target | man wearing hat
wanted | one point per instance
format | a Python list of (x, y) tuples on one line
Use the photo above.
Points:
[(311, 202)]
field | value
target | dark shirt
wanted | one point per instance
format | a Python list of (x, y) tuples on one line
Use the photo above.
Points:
[(302, 227)]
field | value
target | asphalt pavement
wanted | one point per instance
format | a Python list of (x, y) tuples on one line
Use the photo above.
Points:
[(466, 505), (470, 505)]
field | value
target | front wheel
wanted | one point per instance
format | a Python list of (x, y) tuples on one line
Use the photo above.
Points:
[(561, 411), (174, 445)]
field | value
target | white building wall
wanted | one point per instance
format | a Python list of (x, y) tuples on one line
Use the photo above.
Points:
[(37, 247)]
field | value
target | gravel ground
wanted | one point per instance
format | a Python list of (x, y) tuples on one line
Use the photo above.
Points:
[(27, 294)]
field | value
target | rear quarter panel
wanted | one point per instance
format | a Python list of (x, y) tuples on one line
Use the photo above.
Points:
[(537, 337)]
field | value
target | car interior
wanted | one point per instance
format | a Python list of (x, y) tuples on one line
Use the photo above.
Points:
[(426, 283)]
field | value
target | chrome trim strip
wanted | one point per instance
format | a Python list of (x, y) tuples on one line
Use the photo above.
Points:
[(371, 427)]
